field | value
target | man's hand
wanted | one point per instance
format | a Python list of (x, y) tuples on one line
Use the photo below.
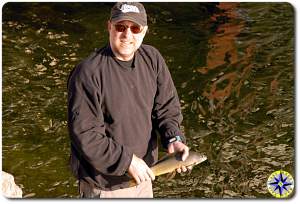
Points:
[(139, 170), (180, 147)]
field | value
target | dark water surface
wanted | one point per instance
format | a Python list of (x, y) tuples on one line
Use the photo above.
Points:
[(233, 66)]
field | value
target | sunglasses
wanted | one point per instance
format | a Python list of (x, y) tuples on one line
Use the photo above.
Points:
[(135, 29)]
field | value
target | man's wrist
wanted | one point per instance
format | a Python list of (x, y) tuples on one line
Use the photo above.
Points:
[(176, 138)]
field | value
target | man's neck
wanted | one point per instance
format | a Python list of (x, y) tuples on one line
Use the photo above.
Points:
[(123, 58)]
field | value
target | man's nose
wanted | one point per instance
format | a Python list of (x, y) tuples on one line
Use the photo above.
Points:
[(127, 33)]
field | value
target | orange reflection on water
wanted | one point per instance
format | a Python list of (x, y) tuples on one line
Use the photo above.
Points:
[(220, 94), (222, 44), (223, 56)]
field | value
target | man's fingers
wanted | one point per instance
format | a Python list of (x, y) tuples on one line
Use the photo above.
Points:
[(185, 153), (170, 149), (184, 169), (139, 170), (143, 178), (144, 175), (151, 174), (137, 179), (190, 168), (179, 170)]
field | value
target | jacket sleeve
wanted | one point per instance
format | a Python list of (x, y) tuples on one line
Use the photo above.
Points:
[(87, 128), (166, 112)]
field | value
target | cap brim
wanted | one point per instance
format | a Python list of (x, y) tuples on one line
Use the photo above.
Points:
[(127, 18)]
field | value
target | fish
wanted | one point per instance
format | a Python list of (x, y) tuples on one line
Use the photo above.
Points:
[(171, 162)]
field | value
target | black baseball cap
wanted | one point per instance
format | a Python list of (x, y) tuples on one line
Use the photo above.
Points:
[(131, 11)]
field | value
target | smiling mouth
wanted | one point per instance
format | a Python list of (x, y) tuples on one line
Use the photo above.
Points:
[(126, 43)]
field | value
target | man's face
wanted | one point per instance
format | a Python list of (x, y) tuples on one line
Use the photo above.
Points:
[(123, 39)]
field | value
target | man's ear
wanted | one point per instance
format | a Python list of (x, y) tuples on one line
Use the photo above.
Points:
[(145, 29), (108, 25)]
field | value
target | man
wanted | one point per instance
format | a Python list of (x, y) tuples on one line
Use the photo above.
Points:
[(117, 98)]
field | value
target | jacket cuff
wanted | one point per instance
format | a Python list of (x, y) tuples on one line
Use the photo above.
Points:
[(167, 139)]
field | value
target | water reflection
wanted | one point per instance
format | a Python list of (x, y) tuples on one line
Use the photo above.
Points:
[(222, 43), (231, 62)]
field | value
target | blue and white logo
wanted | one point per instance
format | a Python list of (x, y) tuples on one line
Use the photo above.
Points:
[(280, 184)]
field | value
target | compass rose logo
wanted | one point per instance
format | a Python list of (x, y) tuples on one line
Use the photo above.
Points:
[(280, 184)]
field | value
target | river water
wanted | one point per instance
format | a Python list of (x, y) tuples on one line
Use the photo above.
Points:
[(232, 64)]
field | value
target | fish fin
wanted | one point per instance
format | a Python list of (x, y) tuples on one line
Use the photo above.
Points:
[(171, 175)]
